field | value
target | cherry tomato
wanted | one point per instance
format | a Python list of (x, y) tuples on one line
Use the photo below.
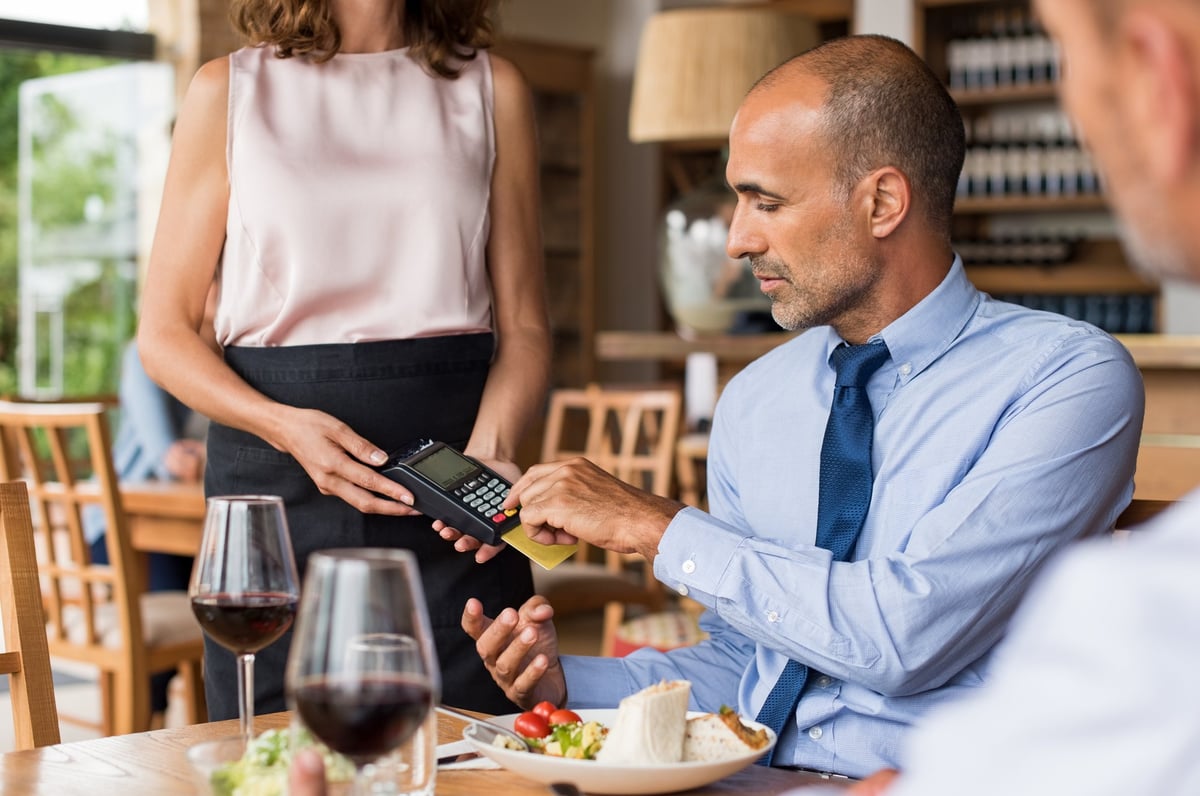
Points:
[(564, 716), (544, 709), (531, 725)]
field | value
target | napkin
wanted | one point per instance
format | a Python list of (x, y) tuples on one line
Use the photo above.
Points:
[(460, 748)]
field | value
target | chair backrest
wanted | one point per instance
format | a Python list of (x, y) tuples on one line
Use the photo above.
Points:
[(63, 452), (26, 658), (630, 432)]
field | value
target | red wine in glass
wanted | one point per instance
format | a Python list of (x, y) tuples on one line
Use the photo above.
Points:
[(363, 718), (362, 675), (245, 622), (244, 586)]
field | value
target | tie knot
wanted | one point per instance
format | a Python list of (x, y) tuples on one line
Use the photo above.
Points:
[(855, 364)]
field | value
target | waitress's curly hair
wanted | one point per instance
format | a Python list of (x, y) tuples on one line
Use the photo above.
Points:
[(441, 34)]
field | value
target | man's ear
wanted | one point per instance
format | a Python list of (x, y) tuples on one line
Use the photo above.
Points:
[(1161, 96), (888, 196)]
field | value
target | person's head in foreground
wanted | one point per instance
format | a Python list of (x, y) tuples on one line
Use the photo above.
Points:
[(1131, 82)]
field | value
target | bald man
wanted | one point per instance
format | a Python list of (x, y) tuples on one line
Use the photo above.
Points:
[(994, 435), (1095, 691)]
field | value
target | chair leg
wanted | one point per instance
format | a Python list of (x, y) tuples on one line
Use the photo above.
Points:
[(131, 703), (107, 714), (195, 708), (614, 615)]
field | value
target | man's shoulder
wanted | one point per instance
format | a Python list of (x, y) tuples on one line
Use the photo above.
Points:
[(1006, 319), (1037, 335)]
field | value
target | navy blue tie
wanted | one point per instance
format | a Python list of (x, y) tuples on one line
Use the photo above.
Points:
[(844, 496)]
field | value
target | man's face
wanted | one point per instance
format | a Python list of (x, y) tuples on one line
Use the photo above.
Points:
[(1091, 90), (805, 246)]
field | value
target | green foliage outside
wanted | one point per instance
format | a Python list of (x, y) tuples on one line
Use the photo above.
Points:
[(65, 178)]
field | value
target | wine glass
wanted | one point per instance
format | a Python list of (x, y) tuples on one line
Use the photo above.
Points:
[(244, 587), (362, 674)]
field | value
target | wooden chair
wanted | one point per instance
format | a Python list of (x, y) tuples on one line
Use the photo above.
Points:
[(96, 614), (630, 433), (27, 658)]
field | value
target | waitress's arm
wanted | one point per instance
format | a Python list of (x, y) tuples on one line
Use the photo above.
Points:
[(516, 385)]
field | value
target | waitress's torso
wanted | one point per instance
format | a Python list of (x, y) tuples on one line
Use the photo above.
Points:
[(358, 205)]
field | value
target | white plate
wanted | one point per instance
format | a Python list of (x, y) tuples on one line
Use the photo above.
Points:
[(592, 776)]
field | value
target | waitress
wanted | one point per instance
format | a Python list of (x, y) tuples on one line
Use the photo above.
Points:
[(361, 181)]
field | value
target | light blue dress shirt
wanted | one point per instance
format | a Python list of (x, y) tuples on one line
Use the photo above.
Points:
[(1001, 434)]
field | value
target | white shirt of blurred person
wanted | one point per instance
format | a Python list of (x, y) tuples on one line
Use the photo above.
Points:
[(1095, 690)]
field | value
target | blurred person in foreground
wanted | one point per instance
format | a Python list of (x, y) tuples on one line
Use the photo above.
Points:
[(994, 435), (1095, 689), (361, 182)]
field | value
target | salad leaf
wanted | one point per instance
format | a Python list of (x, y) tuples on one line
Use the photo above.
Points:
[(263, 769)]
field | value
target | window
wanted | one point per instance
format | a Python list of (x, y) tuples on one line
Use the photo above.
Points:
[(84, 136)]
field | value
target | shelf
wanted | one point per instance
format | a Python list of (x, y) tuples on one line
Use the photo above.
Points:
[(1029, 204), (1150, 351), (1006, 94), (671, 347), (1064, 279)]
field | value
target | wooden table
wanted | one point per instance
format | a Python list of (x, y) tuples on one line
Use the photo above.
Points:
[(164, 516), (155, 763)]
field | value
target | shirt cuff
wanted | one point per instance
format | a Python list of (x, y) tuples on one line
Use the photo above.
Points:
[(594, 682), (694, 554)]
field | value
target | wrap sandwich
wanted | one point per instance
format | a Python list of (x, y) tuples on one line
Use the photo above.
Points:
[(650, 726)]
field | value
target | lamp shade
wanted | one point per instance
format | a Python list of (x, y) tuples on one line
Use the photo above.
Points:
[(695, 65)]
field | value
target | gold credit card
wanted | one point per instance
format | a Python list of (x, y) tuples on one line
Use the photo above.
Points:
[(547, 556)]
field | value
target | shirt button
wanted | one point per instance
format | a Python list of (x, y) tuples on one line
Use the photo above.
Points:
[(815, 733), (683, 591), (689, 567), (905, 369), (772, 616), (824, 681)]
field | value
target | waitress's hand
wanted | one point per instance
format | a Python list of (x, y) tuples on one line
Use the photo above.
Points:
[(464, 543), (339, 462)]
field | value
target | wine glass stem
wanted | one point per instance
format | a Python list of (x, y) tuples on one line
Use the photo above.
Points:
[(246, 694)]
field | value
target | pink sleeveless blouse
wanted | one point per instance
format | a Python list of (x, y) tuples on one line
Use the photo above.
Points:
[(358, 204)]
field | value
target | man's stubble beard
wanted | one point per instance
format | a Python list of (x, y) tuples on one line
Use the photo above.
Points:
[(799, 309)]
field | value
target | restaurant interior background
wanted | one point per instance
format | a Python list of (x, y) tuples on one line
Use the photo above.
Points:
[(88, 89)]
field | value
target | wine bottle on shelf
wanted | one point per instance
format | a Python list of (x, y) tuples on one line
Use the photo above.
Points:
[(1018, 31)]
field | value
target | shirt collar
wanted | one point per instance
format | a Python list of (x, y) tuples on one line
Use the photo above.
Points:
[(921, 335)]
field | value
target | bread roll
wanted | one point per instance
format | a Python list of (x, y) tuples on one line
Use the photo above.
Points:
[(719, 736)]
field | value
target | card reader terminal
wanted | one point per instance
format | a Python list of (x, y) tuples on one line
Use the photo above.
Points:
[(454, 488)]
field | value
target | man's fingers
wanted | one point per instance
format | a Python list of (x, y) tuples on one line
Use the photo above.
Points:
[(534, 483), (473, 620), (536, 609), (510, 664), (523, 687)]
